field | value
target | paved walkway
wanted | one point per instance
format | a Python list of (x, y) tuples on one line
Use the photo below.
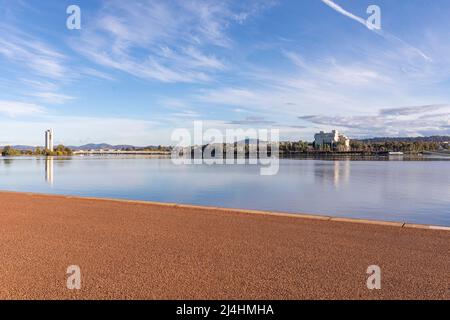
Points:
[(147, 251)]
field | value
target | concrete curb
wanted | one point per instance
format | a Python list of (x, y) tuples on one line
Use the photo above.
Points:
[(422, 226), (366, 221), (245, 211), (206, 208)]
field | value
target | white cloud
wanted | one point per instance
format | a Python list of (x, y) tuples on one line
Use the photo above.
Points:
[(46, 68), (331, 72), (186, 41), (15, 109), (163, 41), (230, 96), (95, 73), (26, 51), (39, 84), (315, 86), (198, 59), (52, 97), (348, 91), (404, 121)]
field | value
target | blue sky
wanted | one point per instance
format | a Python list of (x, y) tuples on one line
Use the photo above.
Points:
[(137, 70)]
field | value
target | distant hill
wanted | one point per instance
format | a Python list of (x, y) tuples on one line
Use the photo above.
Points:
[(98, 146), (24, 148), (89, 146), (406, 139)]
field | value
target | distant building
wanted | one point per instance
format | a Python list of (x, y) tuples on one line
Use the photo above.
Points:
[(333, 139), (49, 139)]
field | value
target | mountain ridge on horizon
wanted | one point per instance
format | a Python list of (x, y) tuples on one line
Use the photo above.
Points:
[(97, 146), (89, 146)]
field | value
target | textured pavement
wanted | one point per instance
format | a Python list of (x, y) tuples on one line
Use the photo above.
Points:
[(145, 251)]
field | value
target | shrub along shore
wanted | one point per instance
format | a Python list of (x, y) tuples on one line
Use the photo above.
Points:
[(60, 150)]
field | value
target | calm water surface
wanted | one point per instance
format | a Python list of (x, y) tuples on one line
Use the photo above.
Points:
[(412, 191)]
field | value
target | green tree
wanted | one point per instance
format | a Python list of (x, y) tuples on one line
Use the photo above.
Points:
[(37, 151), (9, 151), (60, 150)]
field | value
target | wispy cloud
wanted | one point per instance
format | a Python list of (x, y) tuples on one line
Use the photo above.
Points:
[(253, 8), (405, 121), (333, 72), (87, 71), (230, 96), (383, 33), (346, 13), (202, 59), (332, 84), (47, 69), (163, 41), (52, 97), (26, 51), (39, 84), (319, 86), (406, 111), (253, 121), (121, 30), (15, 109)]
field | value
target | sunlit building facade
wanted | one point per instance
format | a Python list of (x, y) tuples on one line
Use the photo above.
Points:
[(332, 139), (49, 140)]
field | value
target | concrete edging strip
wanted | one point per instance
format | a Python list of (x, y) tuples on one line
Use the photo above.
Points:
[(423, 226), (366, 221)]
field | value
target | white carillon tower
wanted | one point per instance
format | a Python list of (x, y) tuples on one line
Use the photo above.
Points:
[(49, 139)]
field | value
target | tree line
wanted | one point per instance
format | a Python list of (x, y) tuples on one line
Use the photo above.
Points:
[(285, 147), (60, 150), (362, 146)]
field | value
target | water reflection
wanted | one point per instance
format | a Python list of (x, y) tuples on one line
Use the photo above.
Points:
[(8, 161), (337, 172), (412, 191), (49, 170), (343, 172)]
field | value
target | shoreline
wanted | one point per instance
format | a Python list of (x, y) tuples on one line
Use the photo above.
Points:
[(322, 217), (281, 154), (140, 250)]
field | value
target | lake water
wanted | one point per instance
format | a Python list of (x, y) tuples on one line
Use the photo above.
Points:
[(409, 191)]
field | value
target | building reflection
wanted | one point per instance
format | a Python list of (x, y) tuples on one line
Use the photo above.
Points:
[(49, 170), (341, 172), (336, 172)]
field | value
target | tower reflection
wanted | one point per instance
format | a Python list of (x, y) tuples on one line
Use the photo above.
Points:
[(49, 170)]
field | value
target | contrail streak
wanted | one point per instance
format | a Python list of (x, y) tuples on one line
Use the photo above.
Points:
[(382, 33)]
